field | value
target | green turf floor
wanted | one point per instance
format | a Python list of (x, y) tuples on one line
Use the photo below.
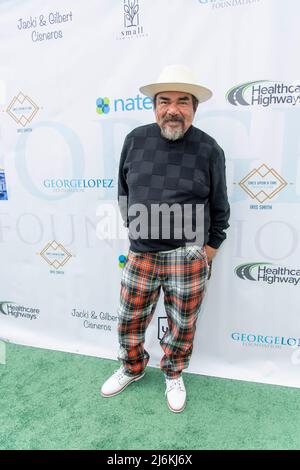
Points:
[(51, 400)]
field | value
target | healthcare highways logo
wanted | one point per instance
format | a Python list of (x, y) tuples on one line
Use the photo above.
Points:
[(264, 93), (12, 309), (268, 273)]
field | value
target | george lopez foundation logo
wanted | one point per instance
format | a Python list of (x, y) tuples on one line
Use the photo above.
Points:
[(131, 19), (264, 93), (262, 184), (264, 341), (268, 273), (22, 109), (220, 4), (12, 309)]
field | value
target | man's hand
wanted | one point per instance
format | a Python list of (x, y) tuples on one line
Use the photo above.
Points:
[(211, 252)]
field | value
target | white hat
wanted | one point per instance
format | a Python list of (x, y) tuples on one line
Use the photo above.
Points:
[(177, 78)]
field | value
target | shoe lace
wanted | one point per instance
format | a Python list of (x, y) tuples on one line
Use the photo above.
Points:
[(175, 383)]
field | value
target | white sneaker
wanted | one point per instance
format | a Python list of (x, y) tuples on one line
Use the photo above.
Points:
[(117, 382), (176, 394)]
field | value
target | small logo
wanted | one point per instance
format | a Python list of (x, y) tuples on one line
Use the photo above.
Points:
[(264, 93), (122, 261), (3, 191), (55, 254), (162, 327), (263, 183), (133, 28), (22, 109), (102, 106), (131, 13)]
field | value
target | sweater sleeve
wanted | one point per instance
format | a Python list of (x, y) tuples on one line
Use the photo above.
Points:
[(122, 185), (218, 200)]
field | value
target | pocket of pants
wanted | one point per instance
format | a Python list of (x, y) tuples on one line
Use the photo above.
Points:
[(194, 252)]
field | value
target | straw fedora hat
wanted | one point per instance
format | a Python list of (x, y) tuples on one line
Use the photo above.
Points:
[(177, 78)]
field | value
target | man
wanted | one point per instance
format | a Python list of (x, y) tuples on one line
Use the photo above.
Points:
[(168, 170)]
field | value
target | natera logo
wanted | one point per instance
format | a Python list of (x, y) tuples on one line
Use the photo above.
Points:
[(268, 273), (12, 309), (102, 106), (264, 93), (3, 191), (118, 105), (131, 20)]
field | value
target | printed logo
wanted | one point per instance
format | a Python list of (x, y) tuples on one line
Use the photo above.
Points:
[(56, 255), (74, 185), (3, 191), (162, 327), (102, 106), (131, 13), (22, 109), (264, 341), (219, 4), (264, 93), (262, 184), (12, 309), (131, 21), (268, 273), (122, 261), (117, 105)]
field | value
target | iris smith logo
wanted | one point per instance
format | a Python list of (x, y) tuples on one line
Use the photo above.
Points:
[(268, 273), (12, 309), (22, 109), (263, 183), (264, 93), (102, 106)]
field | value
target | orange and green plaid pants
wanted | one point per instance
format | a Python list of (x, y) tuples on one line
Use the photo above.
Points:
[(182, 274)]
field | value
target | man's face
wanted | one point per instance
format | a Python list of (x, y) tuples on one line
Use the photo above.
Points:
[(174, 113)]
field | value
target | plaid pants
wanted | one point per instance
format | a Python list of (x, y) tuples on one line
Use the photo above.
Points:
[(182, 273)]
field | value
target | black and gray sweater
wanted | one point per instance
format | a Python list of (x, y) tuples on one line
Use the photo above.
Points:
[(154, 171)]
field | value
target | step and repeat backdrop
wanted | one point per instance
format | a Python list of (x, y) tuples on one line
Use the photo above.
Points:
[(70, 73)]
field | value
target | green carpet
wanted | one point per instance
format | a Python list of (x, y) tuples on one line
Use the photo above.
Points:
[(50, 400)]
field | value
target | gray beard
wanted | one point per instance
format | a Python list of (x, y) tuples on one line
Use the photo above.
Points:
[(172, 134)]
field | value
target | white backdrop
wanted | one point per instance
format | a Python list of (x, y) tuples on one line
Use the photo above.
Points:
[(69, 78)]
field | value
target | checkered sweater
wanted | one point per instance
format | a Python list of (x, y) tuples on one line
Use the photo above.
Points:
[(154, 171)]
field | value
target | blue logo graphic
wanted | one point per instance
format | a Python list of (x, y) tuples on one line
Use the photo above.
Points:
[(3, 191), (102, 106), (137, 103)]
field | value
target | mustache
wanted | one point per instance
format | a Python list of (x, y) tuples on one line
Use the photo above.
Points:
[(173, 119)]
